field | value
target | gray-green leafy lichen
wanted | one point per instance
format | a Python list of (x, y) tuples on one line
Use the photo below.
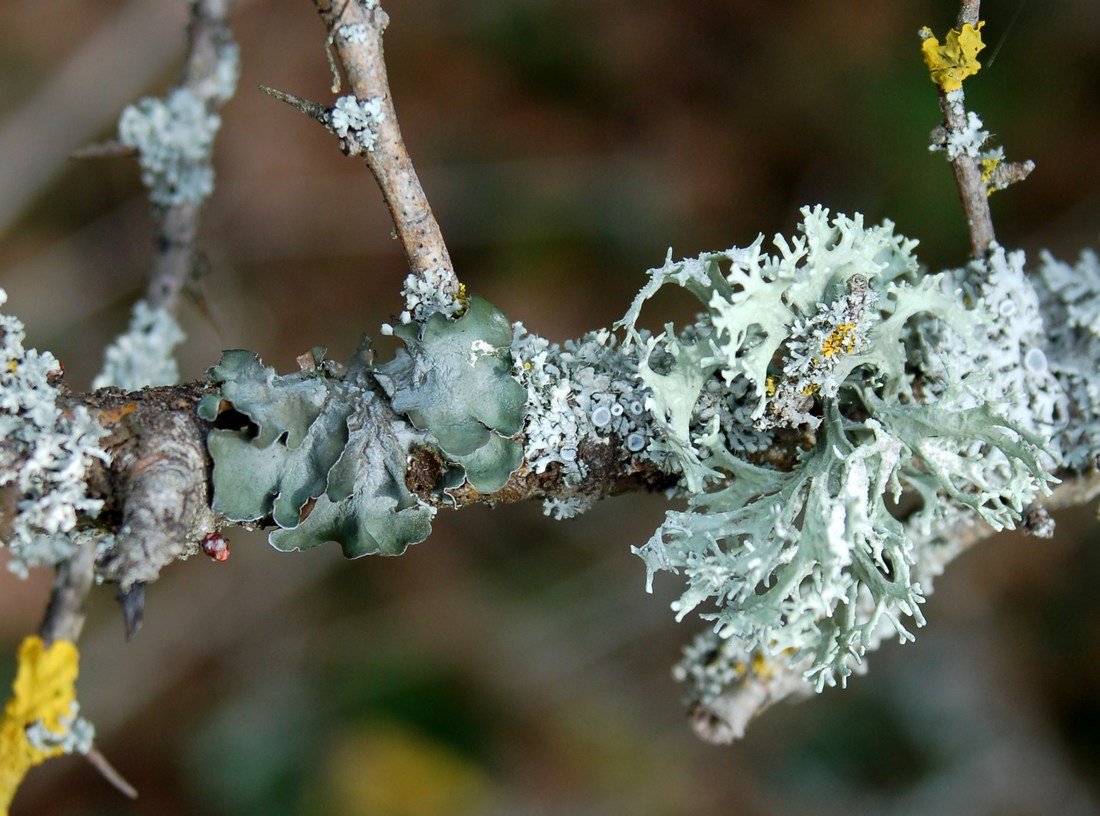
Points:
[(320, 452), (174, 136), (323, 452), (824, 345), (356, 122), (454, 379), (142, 356)]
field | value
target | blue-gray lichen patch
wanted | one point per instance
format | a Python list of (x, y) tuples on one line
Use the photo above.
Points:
[(454, 379), (322, 454)]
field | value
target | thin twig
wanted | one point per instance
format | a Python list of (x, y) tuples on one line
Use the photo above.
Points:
[(64, 620), (969, 13), (108, 772), (355, 30), (973, 191), (176, 260), (64, 616)]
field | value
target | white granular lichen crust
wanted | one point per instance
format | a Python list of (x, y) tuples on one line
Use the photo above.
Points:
[(174, 138), (142, 356), (583, 390), (45, 452), (356, 122)]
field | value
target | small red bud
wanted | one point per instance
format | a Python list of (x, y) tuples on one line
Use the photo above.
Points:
[(216, 546)]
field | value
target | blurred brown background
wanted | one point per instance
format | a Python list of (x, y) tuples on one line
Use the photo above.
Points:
[(511, 664)]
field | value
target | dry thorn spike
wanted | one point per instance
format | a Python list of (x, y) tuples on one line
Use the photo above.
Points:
[(108, 772), (103, 150), (132, 602), (330, 55), (314, 110)]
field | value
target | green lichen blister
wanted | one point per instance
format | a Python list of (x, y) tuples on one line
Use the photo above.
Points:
[(321, 454), (454, 379)]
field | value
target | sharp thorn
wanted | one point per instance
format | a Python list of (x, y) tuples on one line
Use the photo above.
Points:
[(314, 110), (133, 608)]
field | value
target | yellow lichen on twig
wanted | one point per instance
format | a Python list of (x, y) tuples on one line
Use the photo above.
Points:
[(956, 58), (44, 691), (989, 166)]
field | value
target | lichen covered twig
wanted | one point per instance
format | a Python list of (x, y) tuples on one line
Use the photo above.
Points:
[(173, 139), (64, 618), (979, 171), (176, 163), (355, 32), (950, 64)]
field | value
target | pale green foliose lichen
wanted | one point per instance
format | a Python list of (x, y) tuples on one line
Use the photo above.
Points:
[(322, 454), (582, 396), (806, 560), (174, 138), (356, 122), (174, 135), (454, 379), (427, 292)]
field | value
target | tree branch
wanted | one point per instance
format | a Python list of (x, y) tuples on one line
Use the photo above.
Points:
[(210, 51), (156, 488), (355, 31), (968, 173), (64, 618), (968, 178), (969, 12)]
